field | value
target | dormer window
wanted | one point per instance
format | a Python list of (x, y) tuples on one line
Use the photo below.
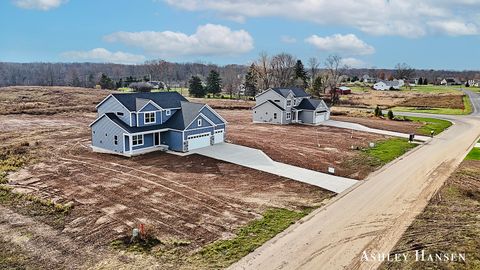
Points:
[(199, 122), (168, 112), (149, 117), (289, 102)]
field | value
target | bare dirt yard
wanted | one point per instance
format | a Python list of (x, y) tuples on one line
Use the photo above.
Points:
[(380, 123), (310, 147), (185, 202), (448, 227)]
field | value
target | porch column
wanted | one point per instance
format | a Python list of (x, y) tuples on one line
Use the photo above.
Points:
[(131, 144)]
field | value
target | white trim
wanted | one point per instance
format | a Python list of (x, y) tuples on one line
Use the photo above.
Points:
[(145, 118), (137, 113), (131, 118), (270, 89), (150, 131), (143, 140), (200, 114), (149, 102), (214, 112), (105, 99), (204, 133), (168, 112), (269, 102), (199, 122)]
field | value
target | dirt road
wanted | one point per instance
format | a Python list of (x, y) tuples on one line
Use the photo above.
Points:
[(373, 216)]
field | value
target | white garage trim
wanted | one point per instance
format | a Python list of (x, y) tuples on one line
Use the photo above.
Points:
[(200, 140), (219, 136)]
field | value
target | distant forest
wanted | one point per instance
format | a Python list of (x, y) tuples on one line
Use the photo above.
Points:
[(173, 74)]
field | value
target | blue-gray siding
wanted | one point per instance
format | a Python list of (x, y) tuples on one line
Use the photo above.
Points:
[(173, 139), (198, 131), (214, 118), (112, 105), (195, 125), (103, 135), (165, 117), (149, 108), (141, 119)]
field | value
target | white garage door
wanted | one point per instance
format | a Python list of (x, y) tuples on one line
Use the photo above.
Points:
[(198, 141), (320, 117), (219, 136)]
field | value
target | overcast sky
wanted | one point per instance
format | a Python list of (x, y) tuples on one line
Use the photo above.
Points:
[(437, 34)]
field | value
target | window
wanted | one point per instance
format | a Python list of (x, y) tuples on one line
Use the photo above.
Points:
[(275, 116), (253, 112), (115, 140), (137, 140), (289, 102), (168, 112), (277, 100), (149, 117), (289, 115), (295, 102), (199, 122), (120, 113)]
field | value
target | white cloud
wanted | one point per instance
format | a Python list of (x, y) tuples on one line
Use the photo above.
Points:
[(455, 28), (209, 39), (288, 39), (38, 4), (408, 18), (104, 56), (353, 62), (343, 44)]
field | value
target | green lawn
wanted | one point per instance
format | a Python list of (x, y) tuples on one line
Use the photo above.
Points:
[(437, 125), (447, 111), (433, 89), (223, 253), (388, 150), (474, 154)]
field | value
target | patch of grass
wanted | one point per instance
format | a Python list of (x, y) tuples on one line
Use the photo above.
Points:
[(223, 253), (433, 89), (429, 124), (139, 245), (474, 154), (387, 150)]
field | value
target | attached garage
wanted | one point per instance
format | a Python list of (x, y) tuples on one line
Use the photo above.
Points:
[(321, 116), (219, 136), (199, 140)]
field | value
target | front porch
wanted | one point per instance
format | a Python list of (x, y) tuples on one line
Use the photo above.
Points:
[(295, 118), (145, 142)]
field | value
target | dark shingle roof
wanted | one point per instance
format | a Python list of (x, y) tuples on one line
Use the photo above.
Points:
[(130, 129), (182, 118), (162, 99), (310, 104), (296, 91), (271, 102)]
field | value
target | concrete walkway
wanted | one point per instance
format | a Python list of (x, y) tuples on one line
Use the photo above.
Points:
[(354, 126), (258, 160)]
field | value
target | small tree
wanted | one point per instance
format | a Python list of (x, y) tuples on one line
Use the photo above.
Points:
[(105, 82), (378, 112), (390, 115), (420, 81), (195, 87), (214, 83)]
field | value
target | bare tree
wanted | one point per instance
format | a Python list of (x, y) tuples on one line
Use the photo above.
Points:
[(404, 72), (332, 65), (156, 68), (313, 66), (263, 71), (283, 69)]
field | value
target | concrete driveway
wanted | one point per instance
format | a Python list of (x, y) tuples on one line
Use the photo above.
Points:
[(258, 160), (354, 126)]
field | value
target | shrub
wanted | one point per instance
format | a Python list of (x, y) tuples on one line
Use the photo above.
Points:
[(378, 112), (390, 115), (141, 86)]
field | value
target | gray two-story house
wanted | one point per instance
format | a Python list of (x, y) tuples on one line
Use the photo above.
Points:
[(136, 123), (289, 105)]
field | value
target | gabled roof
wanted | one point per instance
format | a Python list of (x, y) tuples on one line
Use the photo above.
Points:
[(162, 99), (297, 92), (182, 118), (311, 104), (271, 102), (130, 129)]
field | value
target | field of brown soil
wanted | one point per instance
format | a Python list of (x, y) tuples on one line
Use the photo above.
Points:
[(380, 123), (193, 200), (450, 224), (310, 147), (371, 98), (227, 104), (449, 101)]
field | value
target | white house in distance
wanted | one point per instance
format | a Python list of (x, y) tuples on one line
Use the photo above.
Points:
[(388, 85)]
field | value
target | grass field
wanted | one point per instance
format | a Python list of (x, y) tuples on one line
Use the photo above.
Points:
[(388, 150), (448, 111), (474, 154), (429, 124), (433, 89)]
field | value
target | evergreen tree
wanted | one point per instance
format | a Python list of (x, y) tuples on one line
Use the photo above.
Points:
[(420, 81), (301, 74), (425, 81), (390, 115), (105, 82), (214, 83), (195, 87), (251, 81)]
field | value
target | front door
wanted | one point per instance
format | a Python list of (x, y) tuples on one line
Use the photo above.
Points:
[(156, 138)]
